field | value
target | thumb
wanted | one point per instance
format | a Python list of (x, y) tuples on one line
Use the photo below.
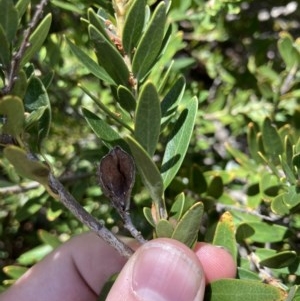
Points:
[(161, 270)]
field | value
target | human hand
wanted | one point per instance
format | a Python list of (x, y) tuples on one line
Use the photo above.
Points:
[(160, 270)]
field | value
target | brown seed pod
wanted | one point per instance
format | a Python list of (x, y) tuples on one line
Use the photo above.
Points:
[(116, 176)]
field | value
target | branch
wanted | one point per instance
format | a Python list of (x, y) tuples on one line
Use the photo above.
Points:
[(23, 187), (70, 203), (15, 63)]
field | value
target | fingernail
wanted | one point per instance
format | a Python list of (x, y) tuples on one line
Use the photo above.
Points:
[(163, 272)]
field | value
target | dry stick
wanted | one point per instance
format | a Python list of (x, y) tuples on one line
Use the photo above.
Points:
[(69, 202), (15, 63), (125, 215)]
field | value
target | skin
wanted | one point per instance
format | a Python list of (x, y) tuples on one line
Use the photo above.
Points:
[(78, 269)]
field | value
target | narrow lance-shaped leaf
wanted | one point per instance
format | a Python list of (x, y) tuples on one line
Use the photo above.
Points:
[(133, 26), (147, 120), (36, 97), (178, 142), (287, 51), (4, 49), (271, 140), (253, 142), (37, 39), (109, 58), (126, 99), (105, 132), (171, 101), (150, 43), (8, 19), (90, 64), (98, 22), (21, 7), (150, 175)]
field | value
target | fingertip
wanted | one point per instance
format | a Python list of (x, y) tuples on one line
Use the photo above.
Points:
[(162, 269), (217, 262)]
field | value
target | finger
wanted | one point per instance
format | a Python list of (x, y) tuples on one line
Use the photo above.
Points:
[(216, 262), (162, 270), (75, 271)]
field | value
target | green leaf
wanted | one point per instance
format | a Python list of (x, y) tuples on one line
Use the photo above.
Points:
[(164, 228), (9, 19), (271, 139), (126, 99), (4, 49), (288, 171), (164, 80), (20, 86), (96, 20), (170, 102), (134, 24), (104, 108), (269, 184), (186, 231), (245, 274), (27, 165), (241, 157), (21, 7), (147, 118), (252, 141), (268, 233), (34, 255), (178, 206), (109, 58), (279, 206), (34, 116), (216, 187), (28, 209), (65, 5), (49, 239), (225, 234), (14, 272), (148, 215), (287, 51), (36, 98), (244, 231), (279, 260), (178, 142), (105, 132), (284, 202), (150, 175), (37, 39), (197, 181), (150, 43), (296, 161), (12, 108), (246, 290), (90, 64)]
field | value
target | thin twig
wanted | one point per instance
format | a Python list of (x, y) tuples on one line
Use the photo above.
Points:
[(70, 203), (17, 57), (14, 189), (288, 82), (251, 212), (130, 227), (23, 187)]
